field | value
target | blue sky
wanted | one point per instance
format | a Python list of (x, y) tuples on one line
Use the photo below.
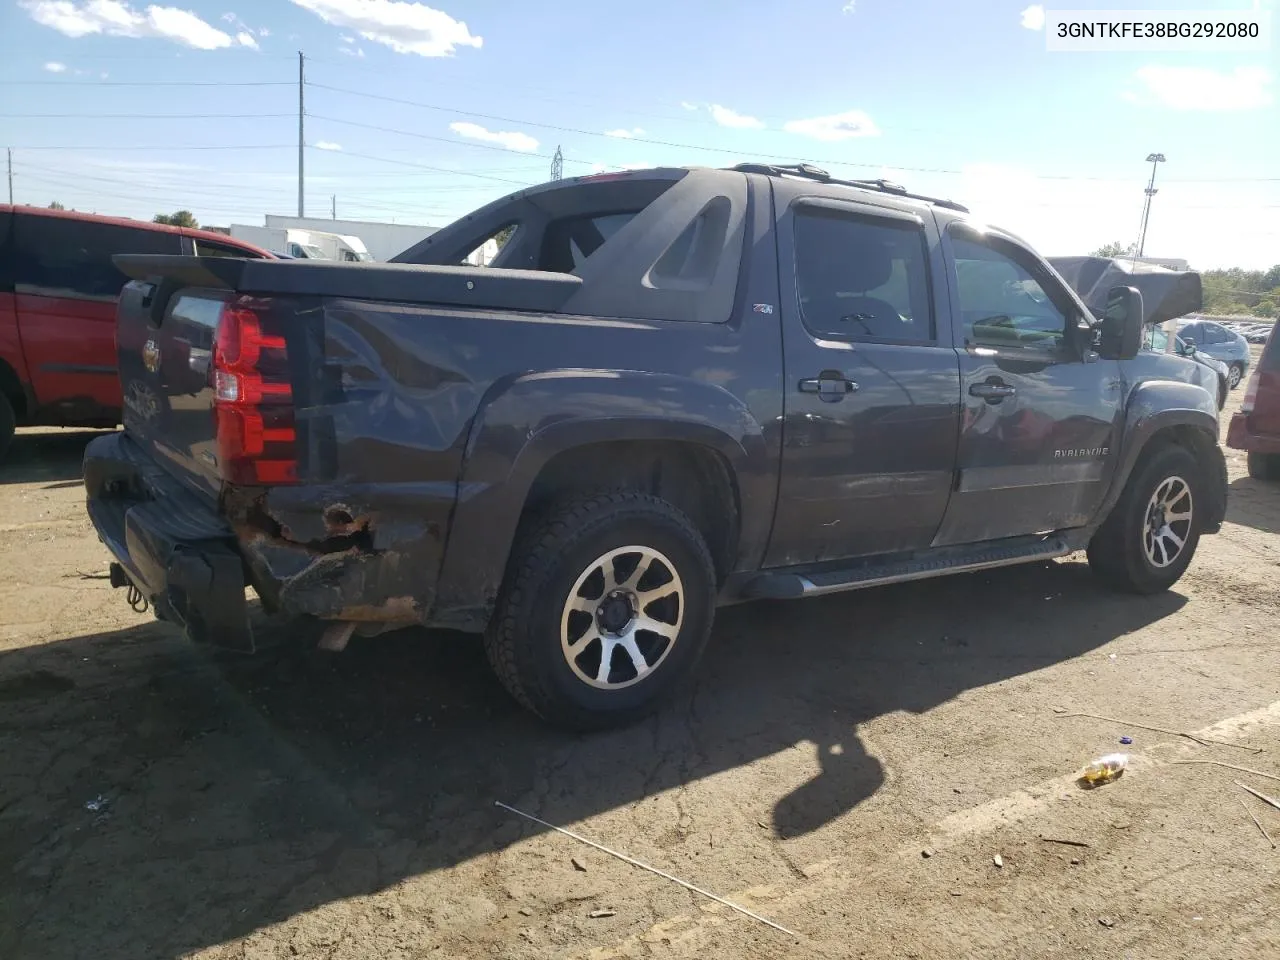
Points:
[(956, 99)]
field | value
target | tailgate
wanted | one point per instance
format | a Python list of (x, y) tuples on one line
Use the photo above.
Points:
[(166, 324), (166, 378)]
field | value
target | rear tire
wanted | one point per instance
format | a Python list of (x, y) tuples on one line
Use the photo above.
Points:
[(1264, 466), (8, 424), (1146, 543), (1235, 373), (567, 639)]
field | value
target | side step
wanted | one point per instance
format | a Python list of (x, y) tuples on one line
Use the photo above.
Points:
[(789, 584)]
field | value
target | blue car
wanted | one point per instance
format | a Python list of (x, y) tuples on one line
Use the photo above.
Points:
[(1214, 340)]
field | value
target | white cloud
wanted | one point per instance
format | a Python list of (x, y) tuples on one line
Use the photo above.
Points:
[(357, 52), (849, 7), (731, 118), (404, 27), (264, 32), (115, 19), (230, 17), (688, 106), (346, 38), (1202, 88), (512, 141), (327, 145), (246, 39), (836, 127), (55, 67), (624, 133), (1033, 17)]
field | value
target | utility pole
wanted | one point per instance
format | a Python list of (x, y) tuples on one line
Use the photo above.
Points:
[(9, 151), (301, 142), (1154, 159), (333, 206), (557, 165)]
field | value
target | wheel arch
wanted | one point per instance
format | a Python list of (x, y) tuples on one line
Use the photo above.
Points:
[(569, 432), (1163, 412)]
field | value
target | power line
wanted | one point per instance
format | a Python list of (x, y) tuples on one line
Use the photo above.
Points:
[(144, 116), (753, 153), (451, 140), (423, 166), (167, 146), (198, 186), (149, 83)]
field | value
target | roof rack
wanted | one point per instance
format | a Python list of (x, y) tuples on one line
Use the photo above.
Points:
[(808, 171)]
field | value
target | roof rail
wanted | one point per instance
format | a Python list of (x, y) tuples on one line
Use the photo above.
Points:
[(808, 171)]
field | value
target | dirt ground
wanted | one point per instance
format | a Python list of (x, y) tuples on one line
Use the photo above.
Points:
[(160, 801)]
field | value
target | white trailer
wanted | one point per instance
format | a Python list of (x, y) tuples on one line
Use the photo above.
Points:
[(294, 243), (382, 240)]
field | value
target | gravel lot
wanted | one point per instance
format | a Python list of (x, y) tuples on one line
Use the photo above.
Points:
[(159, 801)]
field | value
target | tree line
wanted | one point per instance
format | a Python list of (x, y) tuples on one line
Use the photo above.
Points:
[(1229, 292)]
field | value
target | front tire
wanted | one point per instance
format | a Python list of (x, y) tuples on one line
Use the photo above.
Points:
[(1150, 536), (1264, 466), (606, 608)]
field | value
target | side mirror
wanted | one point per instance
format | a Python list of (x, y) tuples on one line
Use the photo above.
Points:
[(1190, 349), (1120, 336)]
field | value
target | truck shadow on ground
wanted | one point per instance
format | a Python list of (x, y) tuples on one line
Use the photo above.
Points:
[(45, 455), (1254, 503), (238, 792)]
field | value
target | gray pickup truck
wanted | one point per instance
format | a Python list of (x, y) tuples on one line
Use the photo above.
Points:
[(672, 389)]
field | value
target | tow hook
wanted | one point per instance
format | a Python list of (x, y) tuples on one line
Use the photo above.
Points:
[(117, 575), (135, 599)]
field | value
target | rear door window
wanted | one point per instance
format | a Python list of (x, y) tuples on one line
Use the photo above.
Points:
[(62, 257), (862, 277)]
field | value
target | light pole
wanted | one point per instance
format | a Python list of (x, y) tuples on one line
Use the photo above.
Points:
[(1154, 159)]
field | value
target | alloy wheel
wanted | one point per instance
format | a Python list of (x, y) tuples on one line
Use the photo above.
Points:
[(622, 617), (1168, 522)]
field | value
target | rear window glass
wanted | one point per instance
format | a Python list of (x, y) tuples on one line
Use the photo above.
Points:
[(72, 258), (569, 241)]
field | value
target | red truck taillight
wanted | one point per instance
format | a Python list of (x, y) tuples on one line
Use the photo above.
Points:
[(253, 401), (1251, 391)]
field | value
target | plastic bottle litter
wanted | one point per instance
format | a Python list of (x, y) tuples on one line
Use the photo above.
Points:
[(1105, 769), (1126, 740)]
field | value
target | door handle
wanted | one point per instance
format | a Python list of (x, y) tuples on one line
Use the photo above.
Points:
[(830, 386), (991, 392)]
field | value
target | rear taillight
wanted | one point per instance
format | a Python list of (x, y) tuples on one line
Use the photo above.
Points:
[(253, 400), (1251, 391)]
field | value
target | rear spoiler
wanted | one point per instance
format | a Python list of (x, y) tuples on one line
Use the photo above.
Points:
[(481, 288)]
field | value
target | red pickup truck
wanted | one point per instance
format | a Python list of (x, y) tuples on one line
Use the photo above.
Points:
[(58, 290)]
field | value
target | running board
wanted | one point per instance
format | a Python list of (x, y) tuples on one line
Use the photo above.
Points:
[(785, 585)]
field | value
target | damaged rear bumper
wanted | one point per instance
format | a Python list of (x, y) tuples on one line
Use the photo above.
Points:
[(171, 545), (369, 554)]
